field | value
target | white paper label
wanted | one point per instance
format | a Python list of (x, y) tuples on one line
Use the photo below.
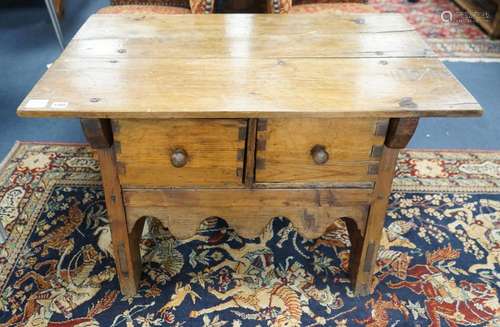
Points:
[(36, 103), (59, 105)]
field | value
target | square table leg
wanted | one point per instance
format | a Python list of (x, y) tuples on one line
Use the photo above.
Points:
[(125, 243), (364, 252)]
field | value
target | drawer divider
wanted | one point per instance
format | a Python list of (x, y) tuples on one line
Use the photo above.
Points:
[(250, 153)]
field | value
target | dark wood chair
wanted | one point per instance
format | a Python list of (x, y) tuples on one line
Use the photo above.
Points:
[(316, 6), (160, 7)]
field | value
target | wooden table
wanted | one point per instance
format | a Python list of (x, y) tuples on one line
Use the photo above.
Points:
[(248, 117)]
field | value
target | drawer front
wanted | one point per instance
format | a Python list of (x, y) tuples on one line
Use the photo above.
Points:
[(342, 151), (180, 152)]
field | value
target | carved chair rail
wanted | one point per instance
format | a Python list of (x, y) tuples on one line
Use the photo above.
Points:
[(196, 6), (284, 6)]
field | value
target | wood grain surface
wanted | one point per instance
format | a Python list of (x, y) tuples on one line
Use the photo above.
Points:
[(365, 254), (284, 150), (246, 36), (247, 210), (247, 197), (126, 250), (214, 148), (248, 66)]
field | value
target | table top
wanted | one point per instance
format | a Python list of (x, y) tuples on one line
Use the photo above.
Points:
[(237, 66)]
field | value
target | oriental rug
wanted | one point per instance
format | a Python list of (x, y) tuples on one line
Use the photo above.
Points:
[(449, 30), (439, 264)]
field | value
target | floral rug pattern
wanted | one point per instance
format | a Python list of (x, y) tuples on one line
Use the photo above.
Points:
[(450, 31), (439, 265)]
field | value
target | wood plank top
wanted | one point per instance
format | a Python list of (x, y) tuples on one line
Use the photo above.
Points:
[(238, 66)]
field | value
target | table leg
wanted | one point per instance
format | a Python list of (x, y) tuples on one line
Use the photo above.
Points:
[(365, 254), (125, 245)]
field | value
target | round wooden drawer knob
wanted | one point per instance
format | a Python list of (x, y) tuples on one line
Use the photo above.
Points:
[(319, 154), (179, 158)]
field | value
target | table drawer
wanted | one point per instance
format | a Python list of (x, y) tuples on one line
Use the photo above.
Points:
[(180, 152), (319, 150)]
